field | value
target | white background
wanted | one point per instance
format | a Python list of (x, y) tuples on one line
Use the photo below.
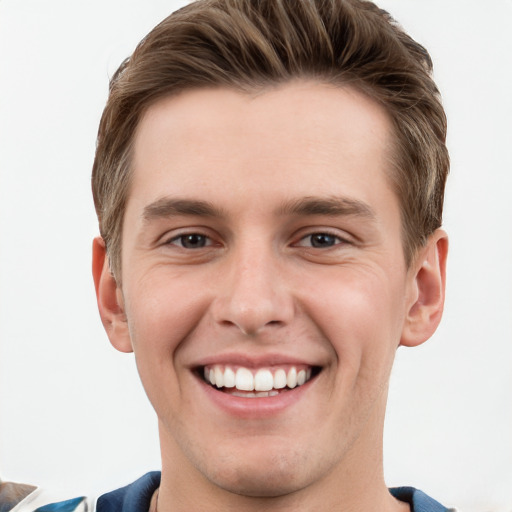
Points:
[(72, 413)]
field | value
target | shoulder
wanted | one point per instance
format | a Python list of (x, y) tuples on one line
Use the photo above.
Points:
[(418, 500), (16, 497), (135, 497)]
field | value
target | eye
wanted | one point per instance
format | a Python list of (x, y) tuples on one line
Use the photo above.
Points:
[(191, 241), (320, 240)]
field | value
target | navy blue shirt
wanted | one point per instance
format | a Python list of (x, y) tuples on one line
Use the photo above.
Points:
[(136, 497)]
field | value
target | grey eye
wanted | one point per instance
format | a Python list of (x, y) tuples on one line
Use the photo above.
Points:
[(192, 241), (321, 240)]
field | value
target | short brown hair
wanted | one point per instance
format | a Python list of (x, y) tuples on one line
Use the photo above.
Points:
[(251, 44)]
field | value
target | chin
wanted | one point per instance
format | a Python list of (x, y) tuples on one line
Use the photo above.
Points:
[(267, 474), (260, 483)]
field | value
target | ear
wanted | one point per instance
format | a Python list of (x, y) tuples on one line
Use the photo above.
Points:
[(427, 280), (110, 299)]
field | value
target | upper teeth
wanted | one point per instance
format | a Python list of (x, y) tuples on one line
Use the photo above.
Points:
[(263, 379)]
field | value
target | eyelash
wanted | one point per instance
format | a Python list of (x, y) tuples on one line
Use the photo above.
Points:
[(336, 239), (207, 241)]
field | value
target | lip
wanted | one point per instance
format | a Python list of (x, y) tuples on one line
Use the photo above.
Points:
[(254, 407), (252, 362)]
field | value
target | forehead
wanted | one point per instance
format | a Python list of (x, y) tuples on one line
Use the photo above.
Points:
[(297, 139)]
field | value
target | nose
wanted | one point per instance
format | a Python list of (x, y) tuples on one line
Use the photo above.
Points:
[(253, 294)]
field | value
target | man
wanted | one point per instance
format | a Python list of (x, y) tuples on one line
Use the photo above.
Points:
[(269, 183)]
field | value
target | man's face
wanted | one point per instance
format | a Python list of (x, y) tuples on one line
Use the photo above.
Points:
[(261, 239)]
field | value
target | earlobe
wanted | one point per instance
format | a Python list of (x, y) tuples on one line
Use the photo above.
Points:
[(428, 282), (110, 299)]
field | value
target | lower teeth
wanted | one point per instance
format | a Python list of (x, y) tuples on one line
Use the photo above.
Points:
[(253, 394)]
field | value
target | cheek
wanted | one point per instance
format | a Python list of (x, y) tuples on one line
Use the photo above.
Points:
[(162, 312), (162, 308), (361, 314)]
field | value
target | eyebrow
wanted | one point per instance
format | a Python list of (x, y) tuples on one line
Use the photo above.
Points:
[(306, 206), (332, 206), (169, 207)]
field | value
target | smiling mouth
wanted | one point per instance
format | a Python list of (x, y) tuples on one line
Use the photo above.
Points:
[(257, 383)]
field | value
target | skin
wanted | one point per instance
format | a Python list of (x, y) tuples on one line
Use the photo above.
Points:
[(257, 288)]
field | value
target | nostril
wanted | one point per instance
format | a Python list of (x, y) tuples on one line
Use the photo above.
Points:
[(252, 329), (252, 305)]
